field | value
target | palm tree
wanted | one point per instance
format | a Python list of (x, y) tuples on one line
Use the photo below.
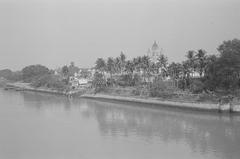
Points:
[(154, 70), (117, 64), (137, 63), (122, 61), (162, 64), (201, 61), (110, 66), (174, 71), (191, 61), (145, 66), (129, 68), (65, 71), (186, 71), (73, 69)]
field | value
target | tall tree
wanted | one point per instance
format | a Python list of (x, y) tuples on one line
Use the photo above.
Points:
[(117, 64), (224, 73), (137, 63), (122, 61), (191, 61), (33, 71), (129, 68), (210, 72), (100, 65), (73, 69), (201, 59), (162, 64), (186, 71), (110, 66), (174, 70), (145, 66)]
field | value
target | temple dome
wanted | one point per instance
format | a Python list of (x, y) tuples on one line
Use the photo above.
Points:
[(155, 46), (154, 52)]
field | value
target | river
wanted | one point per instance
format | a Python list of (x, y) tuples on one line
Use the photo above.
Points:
[(44, 126)]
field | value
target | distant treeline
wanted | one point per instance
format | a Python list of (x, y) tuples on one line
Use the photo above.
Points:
[(10, 75), (199, 72), (219, 72), (41, 76)]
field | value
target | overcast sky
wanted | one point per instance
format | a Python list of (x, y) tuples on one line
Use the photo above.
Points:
[(56, 32)]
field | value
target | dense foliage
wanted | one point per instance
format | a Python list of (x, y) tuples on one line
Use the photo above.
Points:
[(50, 81), (33, 72), (199, 73), (99, 82), (10, 75), (223, 72)]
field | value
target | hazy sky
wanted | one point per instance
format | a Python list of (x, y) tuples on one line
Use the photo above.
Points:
[(56, 32)]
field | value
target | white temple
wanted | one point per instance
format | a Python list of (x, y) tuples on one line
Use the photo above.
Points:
[(154, 52)]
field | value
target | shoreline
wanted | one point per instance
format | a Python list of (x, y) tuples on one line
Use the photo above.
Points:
[(225, 108), (160, 103), (25, 87)]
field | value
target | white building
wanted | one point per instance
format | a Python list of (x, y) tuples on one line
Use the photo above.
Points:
[(154, 52)]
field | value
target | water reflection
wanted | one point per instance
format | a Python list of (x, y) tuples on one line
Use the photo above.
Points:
[(43, 101), (203, 133)]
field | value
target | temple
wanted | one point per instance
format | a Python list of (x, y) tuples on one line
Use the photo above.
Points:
[(154, 52)]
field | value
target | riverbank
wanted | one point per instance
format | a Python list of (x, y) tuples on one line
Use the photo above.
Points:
[(170, 104), (159, 102), (20, 86)]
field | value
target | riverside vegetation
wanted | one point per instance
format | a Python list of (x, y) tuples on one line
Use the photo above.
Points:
[(200, 78)]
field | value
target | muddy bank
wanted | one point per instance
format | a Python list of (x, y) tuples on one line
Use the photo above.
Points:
[(20, 86)]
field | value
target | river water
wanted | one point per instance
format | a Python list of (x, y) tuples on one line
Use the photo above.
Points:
[(43, 126)]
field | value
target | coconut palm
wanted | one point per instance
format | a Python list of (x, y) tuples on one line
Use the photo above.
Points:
[(122, 61), (110, 66), (191, 61), (201, 61), (137, 63), (174, 70), (129, 67), (162, 65), (117, 64), (145, 66)]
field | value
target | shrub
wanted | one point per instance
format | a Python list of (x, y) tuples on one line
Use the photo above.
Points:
[(158, 88), (141, 91), (207, 97), (50, 81), (128, 80), (137, 91), (196, 86), (110, 82), (181, 84), (125, 80), (136, 80)]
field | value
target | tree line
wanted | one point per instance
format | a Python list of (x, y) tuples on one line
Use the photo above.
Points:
[(199, 72)]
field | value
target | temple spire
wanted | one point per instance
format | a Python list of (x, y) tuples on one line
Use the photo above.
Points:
[(155, 46)]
